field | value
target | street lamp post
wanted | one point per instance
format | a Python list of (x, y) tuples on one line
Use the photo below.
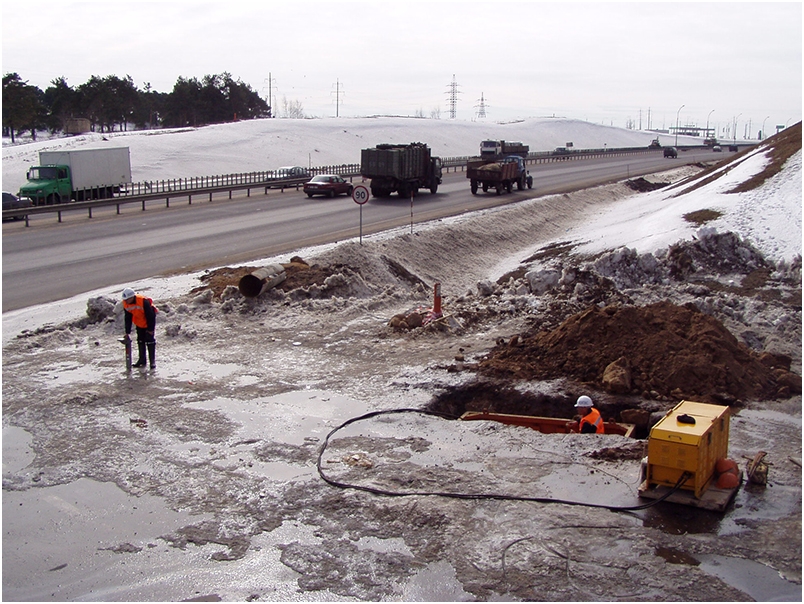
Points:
[(707, 122), (677, 114), (735, 128), (762, 134)]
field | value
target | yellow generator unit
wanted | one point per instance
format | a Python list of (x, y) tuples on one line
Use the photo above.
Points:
[(690, 438)]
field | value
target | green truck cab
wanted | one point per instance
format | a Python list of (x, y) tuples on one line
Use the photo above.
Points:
[(48, 185)]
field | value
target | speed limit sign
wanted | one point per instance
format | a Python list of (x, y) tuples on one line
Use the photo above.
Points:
[(360, 194)]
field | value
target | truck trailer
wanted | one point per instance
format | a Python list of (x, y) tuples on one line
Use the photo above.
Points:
[(401, 168), (77, 175), (498, 149), (499, 175)]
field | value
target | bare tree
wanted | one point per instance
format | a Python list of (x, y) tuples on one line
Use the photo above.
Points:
[(292, 109), (435, 113)]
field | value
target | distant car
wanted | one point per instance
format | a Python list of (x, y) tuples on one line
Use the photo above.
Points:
[(717, 149), (670, 152), (291, 172), (12, 202), (733, 148), (327, 184)]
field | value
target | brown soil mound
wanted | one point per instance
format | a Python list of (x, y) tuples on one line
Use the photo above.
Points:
[(672, 351), (299, 274)]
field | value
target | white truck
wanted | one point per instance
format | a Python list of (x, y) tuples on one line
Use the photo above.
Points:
[(78, 175)]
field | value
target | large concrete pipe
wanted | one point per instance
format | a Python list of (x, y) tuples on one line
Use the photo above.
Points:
[(253, 284)]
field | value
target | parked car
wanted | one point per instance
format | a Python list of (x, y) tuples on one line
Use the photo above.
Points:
[(291, 172), (717, 149), (670, 152), (327, 184), (12, 202)]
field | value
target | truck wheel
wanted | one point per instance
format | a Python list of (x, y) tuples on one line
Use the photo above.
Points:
[(530, 182), (434, 188), (509, 186), (485, 187), (474, 187), (499, 188)]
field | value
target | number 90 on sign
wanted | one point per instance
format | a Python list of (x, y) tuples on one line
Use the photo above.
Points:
[(360, 194)]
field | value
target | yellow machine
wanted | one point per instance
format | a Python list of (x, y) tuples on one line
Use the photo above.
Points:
[(690, 438)]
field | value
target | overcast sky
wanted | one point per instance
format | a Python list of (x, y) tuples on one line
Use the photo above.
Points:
[(605, 63)]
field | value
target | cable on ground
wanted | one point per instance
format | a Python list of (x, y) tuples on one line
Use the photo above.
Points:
[(494, 496)]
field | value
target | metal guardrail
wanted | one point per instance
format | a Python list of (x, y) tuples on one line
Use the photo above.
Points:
[(149, 191)]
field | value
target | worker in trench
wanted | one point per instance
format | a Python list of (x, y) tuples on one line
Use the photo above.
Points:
[(591, 422), (140, 311)]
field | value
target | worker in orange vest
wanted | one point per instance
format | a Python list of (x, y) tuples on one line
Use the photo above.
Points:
[(591, 420), (140, 311)]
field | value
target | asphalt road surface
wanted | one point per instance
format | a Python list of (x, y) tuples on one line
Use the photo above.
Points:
[(50, 261)]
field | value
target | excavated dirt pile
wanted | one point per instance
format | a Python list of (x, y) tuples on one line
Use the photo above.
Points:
[(661, 349)]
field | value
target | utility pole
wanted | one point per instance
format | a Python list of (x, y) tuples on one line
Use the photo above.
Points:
[(338, 92), (271, 104), (452, 96)]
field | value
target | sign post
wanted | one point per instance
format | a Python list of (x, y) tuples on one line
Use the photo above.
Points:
[(360, 194)]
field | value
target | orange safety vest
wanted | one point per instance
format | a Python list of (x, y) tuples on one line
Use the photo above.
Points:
[(137, 311), (594, 418)]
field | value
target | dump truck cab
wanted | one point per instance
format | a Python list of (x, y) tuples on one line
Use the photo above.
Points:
[(48, 185)]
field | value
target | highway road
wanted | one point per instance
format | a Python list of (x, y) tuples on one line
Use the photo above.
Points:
[(49, 261)]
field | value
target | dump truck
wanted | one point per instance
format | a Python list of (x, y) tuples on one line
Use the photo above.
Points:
[(498, 149), (498, 175), (401, 168), (77, 175)]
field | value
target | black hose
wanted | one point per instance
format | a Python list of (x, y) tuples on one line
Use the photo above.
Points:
[(376, 491)]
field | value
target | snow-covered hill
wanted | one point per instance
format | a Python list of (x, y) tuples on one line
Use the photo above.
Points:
[(270, 143)]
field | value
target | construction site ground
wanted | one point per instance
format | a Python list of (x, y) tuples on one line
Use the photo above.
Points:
[(199, 481)]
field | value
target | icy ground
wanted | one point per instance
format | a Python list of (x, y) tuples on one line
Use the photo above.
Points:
[(199, 480)]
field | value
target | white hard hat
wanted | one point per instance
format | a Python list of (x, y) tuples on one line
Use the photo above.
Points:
[(128, 293), (584, 401)]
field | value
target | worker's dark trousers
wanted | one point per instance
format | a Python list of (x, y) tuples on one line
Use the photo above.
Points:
[(145, 340)]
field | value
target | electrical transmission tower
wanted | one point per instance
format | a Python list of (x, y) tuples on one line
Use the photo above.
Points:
[(481, 107), (452, 95), (337, 92)]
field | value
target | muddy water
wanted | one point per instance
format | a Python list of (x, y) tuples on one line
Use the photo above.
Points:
[(761, 582), (91, 540)]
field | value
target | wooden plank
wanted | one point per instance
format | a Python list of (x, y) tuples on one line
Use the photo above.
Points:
[(713, 498)]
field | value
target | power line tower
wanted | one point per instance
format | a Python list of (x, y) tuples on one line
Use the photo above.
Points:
[(337, 92), (481, 107), (452, 96)]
